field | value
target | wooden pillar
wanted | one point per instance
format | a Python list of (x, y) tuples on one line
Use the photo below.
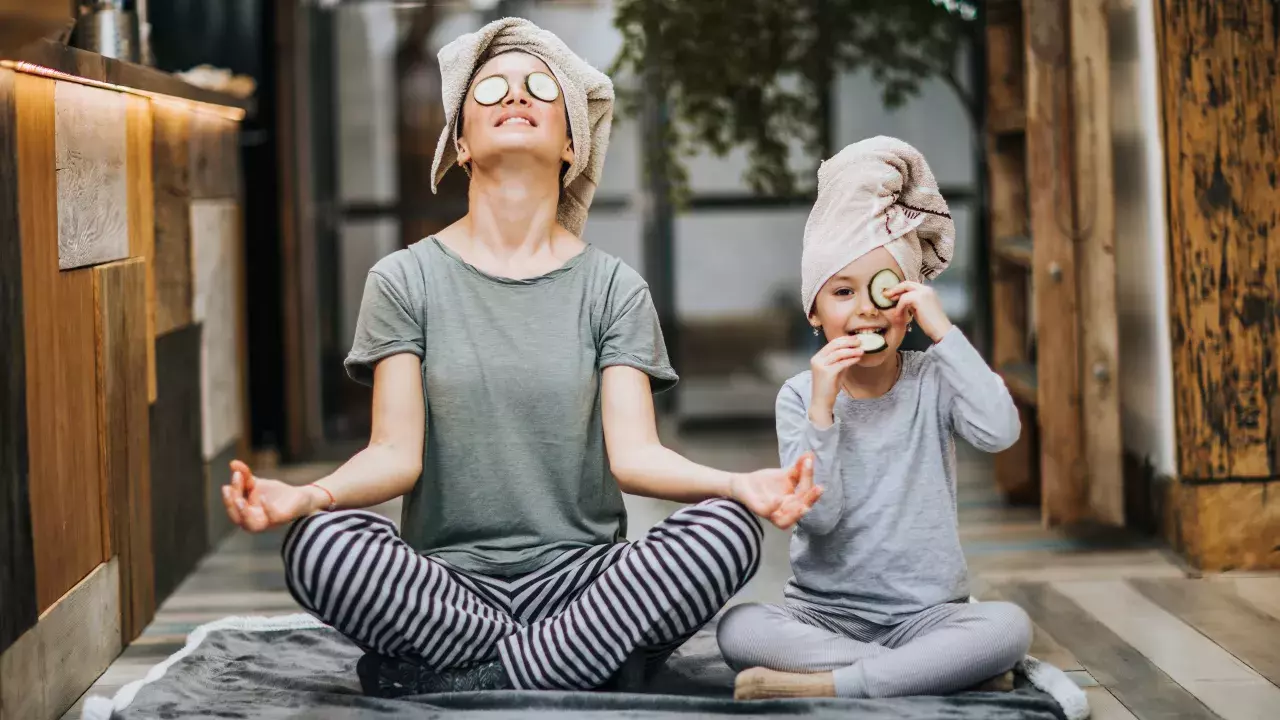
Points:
[(1220, 96)]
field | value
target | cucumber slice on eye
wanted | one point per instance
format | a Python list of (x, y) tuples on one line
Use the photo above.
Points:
[(542, 86), (490, 90), (881, 283), (871, 342)]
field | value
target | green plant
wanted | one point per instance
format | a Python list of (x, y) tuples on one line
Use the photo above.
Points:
[(758, 73)]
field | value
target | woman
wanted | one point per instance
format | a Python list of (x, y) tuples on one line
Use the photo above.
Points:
[(505, 356)]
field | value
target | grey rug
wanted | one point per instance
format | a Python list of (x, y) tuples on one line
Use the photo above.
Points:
[(276, 668)]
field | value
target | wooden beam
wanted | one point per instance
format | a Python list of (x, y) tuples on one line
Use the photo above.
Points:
[(124, 433), (1063, 497), (17, 562), (62, 407), (142, 218), (171, 144), (1220, 92), (1225, 526), (1096, 253), (49, 668)]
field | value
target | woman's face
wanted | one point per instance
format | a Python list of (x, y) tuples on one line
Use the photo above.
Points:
[(844, 306), (519, 124)]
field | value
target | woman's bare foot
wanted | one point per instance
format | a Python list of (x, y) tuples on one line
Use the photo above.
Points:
[(762, 684)]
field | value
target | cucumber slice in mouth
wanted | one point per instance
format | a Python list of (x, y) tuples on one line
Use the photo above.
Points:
[(872, 342), (882, 282)]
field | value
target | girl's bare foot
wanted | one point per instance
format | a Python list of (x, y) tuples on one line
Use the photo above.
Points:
[(762, 683), (1000, 683)]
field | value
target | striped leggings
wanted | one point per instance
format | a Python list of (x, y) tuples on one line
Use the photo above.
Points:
[(568, 626), (940, 650)]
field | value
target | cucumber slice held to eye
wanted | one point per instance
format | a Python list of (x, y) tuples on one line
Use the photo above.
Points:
[(881, 283), (872, 342)]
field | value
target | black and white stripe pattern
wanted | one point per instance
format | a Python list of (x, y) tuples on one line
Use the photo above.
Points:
[(568, 625)]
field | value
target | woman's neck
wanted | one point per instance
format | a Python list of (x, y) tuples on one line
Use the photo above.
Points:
[(863, 383), (510, 228)]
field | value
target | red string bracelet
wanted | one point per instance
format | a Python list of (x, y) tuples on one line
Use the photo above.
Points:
[(333, 503)]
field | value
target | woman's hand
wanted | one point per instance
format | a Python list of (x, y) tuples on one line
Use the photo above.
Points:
[(827, 365), (921, 302), (780, 495), (258, 504)]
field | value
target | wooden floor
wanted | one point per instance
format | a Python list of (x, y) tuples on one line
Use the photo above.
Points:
[(1145, 637)]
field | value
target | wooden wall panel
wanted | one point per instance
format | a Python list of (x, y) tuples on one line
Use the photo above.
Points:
[(1220, 90), (1096, 252), (172, 187), (142, 222), (215, 157), (62, 408), (1225, 526), (218, 473), (216, 253), (17, 565), (49, 668), (179, 536), (1049, 165), (93, 208), (120, 292)]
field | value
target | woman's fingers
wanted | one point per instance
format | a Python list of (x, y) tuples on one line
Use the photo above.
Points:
[(229, 502), (246, 475)]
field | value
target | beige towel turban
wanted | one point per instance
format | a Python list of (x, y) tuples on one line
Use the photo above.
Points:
[(588, 95), (876, 192)]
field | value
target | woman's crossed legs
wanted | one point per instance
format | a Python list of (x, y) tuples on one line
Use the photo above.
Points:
[(570, 625)]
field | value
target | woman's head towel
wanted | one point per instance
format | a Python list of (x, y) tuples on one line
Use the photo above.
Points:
[(588, 95), (876, 192)]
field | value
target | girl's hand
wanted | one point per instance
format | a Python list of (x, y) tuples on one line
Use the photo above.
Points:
[(258, 504), (839, 354), (921, 302), (780, 495)]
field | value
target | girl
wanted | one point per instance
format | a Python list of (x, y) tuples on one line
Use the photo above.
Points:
[(877, 605), (506, 355)]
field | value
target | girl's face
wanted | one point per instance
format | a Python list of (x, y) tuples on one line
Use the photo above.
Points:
[(516, 122), (844, 306)]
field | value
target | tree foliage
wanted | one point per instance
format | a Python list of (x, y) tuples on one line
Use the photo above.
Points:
[(757, 73)]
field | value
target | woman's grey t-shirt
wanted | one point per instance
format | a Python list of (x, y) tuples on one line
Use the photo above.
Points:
[(514, 470)]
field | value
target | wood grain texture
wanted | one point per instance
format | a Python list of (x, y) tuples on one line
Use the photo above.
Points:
[(1226, 526), (62, 406), (93, 212), (1006, 75), (215, 157), (17, 563), (179, 536), (216, 253), (1220, 92), (43, 674), (1222, 616), (1134, 680), (171, 176), (1096, 229), (1063, 496), (120, 291), (142, 221)]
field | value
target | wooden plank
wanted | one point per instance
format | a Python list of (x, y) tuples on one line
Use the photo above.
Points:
[(1096, 253), (62, 407), (215, 157), (1063, 496), (1220, 90), (1006, 86), (124, 433), (1238, 627), (1043, 646), (17, 563), (1015, 250), (142, 223), (46, 671), (1136, 682), (1228, 526), (93, 208), (179, 536), (1022, 381), (1261, 592), (1105, 706), (172, 187), (1223, 683), (215, 240)]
